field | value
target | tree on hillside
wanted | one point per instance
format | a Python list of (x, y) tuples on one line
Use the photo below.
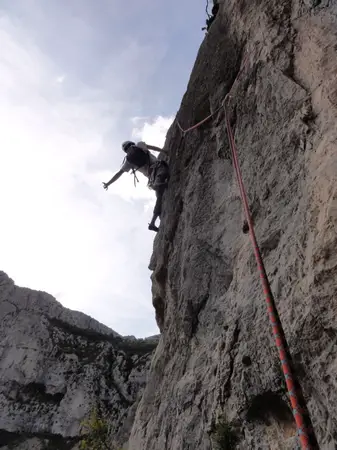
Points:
[(96, 433)]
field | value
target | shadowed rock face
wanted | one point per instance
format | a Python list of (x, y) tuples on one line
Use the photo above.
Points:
[(216, 355), (56, 365)]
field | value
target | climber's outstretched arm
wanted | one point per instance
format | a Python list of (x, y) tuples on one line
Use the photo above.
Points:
[(113, 179), (155, 149)]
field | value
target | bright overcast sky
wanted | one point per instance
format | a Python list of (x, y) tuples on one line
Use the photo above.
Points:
[(77, 78)]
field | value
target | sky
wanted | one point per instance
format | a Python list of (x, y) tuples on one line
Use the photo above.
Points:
[(76, 80)]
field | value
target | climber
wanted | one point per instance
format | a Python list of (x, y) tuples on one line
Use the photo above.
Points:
[(211, 18), (138, 157)]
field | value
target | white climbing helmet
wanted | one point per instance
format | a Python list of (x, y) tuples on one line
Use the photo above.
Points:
[(126, 145)]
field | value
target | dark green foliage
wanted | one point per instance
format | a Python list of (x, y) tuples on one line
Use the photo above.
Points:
[(96, 432), (51, 441), (224, 436)]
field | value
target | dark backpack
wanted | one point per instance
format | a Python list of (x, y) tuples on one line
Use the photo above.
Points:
[(137, 157)]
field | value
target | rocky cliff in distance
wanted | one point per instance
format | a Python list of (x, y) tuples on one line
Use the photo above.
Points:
[(216, 357), (56, 365)]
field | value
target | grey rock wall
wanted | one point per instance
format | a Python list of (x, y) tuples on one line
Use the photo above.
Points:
[(56, 365), (216, 357)]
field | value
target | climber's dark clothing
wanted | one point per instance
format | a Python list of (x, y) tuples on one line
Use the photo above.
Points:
[(159, 174), (159, 194), (139, 158), (215, 9), (211, 19)]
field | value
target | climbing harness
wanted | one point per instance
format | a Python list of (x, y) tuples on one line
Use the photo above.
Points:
[(135, 178), (300, 412), (153, 170)]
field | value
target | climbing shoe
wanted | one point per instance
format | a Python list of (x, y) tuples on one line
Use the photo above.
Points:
[(153, 228)]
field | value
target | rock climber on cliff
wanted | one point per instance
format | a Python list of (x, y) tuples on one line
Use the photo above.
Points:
[(211, 18), (139, 158)]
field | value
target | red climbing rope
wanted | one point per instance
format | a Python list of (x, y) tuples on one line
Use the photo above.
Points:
[(199, 123), (218, 109), (273, 314), (300, 413), (305, 431)]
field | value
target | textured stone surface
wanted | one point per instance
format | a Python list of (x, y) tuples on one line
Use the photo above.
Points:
[(216, 356), (56, 365)]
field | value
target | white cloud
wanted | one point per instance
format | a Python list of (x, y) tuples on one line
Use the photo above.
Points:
[(61, 232), (139, 119), (153, 132), (60, 79)]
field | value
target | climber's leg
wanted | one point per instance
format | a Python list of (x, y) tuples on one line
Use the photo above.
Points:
[(157, 208), (159, 185)]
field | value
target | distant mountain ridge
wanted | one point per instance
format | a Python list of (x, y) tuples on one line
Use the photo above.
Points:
[(56, 365)]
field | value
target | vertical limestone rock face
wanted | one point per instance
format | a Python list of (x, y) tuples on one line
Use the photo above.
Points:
[(56, 365), (216, 356)]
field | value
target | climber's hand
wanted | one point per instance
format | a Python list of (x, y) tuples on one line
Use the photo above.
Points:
[(105, 186)]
